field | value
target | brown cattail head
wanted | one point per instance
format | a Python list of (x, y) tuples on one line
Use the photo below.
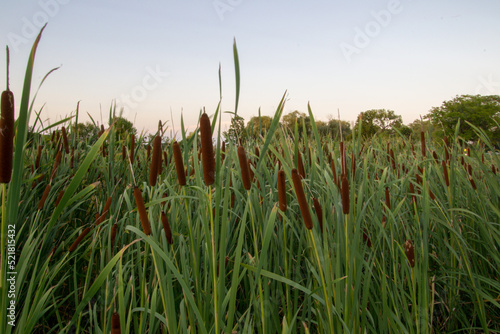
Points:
[(115, 324), (301, 198), (6, 136), (179, 164), (148, 151), (124, 152), (132, 148), (59, 197), (345, 195), (65, 140), (153, 173), (165, 159), (257, 152), (387, 198), (410, 253), (366, 238), (335, 180), (319, 212), (75, 244), (245, 172), (393, 160), (473, 184), (207, 150), (139, 201), (282, 190), (38, 156), (72, 161), (44, 197), (412, 191), (105, 211), (422, 142), (445, 173), (223, 151), (493, 169), (431, 194), (57, 162), (114, 229), (166, 227), (435, 156)]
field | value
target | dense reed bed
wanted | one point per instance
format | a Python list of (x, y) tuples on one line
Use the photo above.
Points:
[(401, 240)]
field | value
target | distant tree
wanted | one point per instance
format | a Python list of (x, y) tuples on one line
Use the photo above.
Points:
[(377, 120), (123, 127), (85, 132), (334, 126), (236, 130), (301, 119), (255, 123), (481, 111)]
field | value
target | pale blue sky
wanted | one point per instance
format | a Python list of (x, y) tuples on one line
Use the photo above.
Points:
[(404, 55)]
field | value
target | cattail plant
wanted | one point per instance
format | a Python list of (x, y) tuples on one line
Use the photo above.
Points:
[(82, 235), (244, 167), (153, 173), (319, 212), (301, 198), (105, 211), (300, 166), (114, 229), (139, 201), (223, 151), (57, 162), (6, 135), (59, 197), (124, 152), (132, 148), (345, 194), (44, 197), (179, 164), (422, 142), (38, 156), (410, 253), (166, 227), (115, 324), (207, 150), (65, 140), (281, 190), (445, 173)]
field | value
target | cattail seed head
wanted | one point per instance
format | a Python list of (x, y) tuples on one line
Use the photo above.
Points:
[(44, 197), (301, 198), (282, 190), (335, 180), (141, 208), (82, 235), (57, 162), (105, 211), (207, 150), (179, 164), (445, 173), (115, 324), (166, 227), (410, 253), (473, 184), (319, 212), (38, 156), (59, 197), (153, 173), (422, 142), (6, 136), (124, 152), (245, 172), (65, 140), (345, 195), (300, 166), (387, 198), (114, 229)]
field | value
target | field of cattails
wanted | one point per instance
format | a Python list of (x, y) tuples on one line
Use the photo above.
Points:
[(274, 234)]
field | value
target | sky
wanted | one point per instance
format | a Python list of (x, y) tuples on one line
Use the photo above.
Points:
[(160, 59)]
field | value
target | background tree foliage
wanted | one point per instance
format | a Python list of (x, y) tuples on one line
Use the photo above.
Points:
[(481, 111), (258, 125), (378, 120), (236, 130)]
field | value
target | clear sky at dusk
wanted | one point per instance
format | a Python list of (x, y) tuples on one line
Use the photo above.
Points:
[(158, 58)]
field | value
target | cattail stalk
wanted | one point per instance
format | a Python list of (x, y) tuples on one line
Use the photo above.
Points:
[(179, 164), (282, 190), (153, 173), (245, 173), (139, 201), (6, 136), (207, 150), (79, 239), (301, 198)]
